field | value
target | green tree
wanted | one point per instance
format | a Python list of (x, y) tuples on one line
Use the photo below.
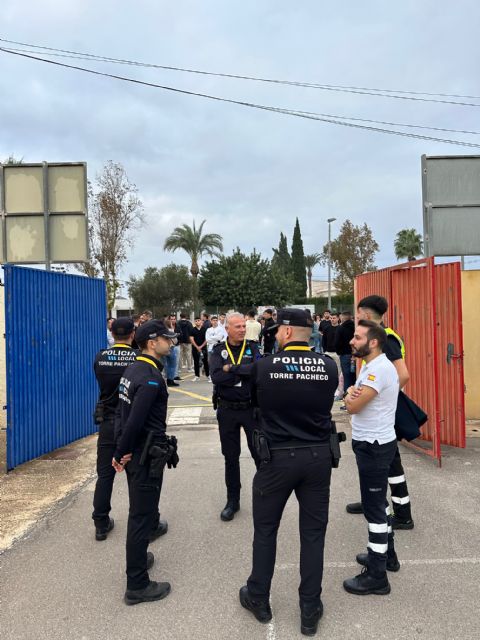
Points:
[(298, 261), (195, 244), (162, 290), (408, 244), (282, 260), (352, 253), (311, 261), (244, 281)]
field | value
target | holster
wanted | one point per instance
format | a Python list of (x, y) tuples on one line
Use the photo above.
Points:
[(159, 456), (260, 444), (335, 439)]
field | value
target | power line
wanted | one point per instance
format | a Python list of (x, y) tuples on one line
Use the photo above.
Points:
[(313, 113), (291, 112), (385, 93)]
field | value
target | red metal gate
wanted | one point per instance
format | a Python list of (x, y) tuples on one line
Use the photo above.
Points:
[(425, 309)]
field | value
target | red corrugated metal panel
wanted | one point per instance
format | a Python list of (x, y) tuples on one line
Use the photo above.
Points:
[(451, 388)]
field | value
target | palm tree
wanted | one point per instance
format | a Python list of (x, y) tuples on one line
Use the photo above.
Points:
[(311, 261), (408, 244), (191, 240)]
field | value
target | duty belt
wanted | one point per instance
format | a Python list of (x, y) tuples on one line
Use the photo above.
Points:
[(236, 406)]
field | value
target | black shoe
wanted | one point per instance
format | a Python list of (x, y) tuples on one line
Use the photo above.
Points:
[(150, 560), (399, 523), (392, 562), (101, 534), (354, 507), (161, 530), (365, 584), (309, 619), (153, 591), (172, 383), (261, 610), (230, 510), (177, 378)]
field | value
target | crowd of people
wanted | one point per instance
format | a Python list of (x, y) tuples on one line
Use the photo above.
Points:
[(275, 377)]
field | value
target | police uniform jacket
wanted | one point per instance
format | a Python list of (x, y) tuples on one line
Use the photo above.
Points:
[(109, 366), (294, 390), (142, 405), (233, 386)]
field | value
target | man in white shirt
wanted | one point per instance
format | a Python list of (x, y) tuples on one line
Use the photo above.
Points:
[(254, 328), (215, 334), (372, 402)]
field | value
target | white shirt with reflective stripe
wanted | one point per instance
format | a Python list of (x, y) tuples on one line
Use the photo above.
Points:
[(377, 419)]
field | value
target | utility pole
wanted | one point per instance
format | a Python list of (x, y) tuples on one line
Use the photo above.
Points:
[(330, 220)]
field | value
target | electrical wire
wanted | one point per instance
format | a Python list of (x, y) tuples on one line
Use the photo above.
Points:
[(290, 112), (385, 93)]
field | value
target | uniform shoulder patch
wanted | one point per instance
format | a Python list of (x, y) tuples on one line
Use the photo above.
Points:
[(371, 377)]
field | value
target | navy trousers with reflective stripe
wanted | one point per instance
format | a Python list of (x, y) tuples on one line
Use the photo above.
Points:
[(399, 489), (373, 462)]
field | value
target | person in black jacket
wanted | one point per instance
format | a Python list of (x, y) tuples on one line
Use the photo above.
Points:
[(342, 347), (294, 392), (230, 365), (109, 366), (267, 334), (140, 424)]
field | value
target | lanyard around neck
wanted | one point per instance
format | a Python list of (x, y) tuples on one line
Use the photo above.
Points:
[(241, 352), (299, 348), (147, 360)]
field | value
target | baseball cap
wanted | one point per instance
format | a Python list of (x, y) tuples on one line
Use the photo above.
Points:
[(153, 329), (122, 326), (293, 318)]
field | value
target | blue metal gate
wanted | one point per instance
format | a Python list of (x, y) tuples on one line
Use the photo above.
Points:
[(55, 324)]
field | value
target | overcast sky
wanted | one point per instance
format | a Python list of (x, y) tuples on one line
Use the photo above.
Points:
[(249, 173)]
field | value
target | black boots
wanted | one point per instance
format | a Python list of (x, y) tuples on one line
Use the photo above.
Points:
[(101, 534), (392, 561), (230, 510), (354, 507), (365, 584), (261, 610), (400, 523), (161, 530), (309, 619), (172, 383), (153, 591)]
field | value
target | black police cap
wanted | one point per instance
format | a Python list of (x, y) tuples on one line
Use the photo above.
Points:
[(293, 318), (122, 327), (153, 329)]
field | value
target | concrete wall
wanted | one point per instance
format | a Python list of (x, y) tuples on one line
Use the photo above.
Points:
[(3, 387), (471, 342)]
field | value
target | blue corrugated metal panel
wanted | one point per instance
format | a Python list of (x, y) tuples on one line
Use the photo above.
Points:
[(55, 324)]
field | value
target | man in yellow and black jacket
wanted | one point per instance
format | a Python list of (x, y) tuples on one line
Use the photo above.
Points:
[(374, 308)]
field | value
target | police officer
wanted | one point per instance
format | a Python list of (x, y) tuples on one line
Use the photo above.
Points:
[(140, 427), (109, 366), (294, 391), (374, 308), (230, 364)]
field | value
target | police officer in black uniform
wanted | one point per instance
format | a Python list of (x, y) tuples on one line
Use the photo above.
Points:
[(294, 391), (140, 431), (109, 366), (230, 364)]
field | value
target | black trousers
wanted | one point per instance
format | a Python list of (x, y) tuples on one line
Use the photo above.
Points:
[(307, 472), (196, 361), (105, 474), (143, 515), (373, 462), (230, 422), (398, 488)]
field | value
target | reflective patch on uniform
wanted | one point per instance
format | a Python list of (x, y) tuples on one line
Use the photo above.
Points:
[(224, 354), (389, 529), (396, 480), (398, 500), (388, 511), (155, 384), (378, 528), (377, 548)]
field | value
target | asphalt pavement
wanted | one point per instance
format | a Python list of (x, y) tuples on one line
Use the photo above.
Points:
[(57, 582)]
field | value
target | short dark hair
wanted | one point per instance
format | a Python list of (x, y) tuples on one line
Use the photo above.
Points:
[(214, 317), (375, 332), (326, 311), (346, 313), (183, 315), (197, 318), (205, 314), (377, 304), (335, 314), (136, 317), (251, 314), (268, 311)]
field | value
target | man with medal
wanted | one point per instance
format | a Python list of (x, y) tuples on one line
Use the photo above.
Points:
[(230, 363)]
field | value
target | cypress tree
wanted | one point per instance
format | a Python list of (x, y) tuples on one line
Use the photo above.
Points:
[(281, 260), (298, 261)]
